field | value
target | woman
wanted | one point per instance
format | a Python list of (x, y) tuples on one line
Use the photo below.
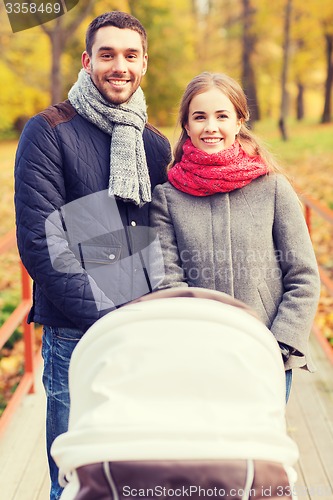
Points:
[(228, 220)]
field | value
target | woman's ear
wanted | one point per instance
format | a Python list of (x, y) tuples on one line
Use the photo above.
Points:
[(239, 125)]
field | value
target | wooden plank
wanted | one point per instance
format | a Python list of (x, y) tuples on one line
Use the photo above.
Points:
[(22, 444), (34, 473), (313, 447), (310, 423), (323, 379), (44, 492), (293, 416)]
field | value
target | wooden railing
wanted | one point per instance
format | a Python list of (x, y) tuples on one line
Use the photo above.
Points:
[(18, 317), (312, 205)]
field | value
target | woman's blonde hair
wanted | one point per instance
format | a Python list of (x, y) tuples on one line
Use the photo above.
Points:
[(230, 88)]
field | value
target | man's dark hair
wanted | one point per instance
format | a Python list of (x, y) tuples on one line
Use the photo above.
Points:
[(118, 19)]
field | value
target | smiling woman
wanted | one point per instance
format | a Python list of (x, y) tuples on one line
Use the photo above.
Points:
[(241, 209)]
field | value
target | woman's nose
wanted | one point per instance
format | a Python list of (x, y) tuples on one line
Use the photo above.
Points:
[(211, 125)]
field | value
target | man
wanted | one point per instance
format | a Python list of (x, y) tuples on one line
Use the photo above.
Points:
[(68, 157)]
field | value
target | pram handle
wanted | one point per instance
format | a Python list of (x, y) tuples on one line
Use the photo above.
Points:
[(196, 292)]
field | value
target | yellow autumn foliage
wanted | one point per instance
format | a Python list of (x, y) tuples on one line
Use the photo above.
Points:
[(10, 365)]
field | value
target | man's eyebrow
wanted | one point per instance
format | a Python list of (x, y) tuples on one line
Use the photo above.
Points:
[(106, 48)]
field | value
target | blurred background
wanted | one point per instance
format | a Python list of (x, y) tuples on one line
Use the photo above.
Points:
[(280, 51)]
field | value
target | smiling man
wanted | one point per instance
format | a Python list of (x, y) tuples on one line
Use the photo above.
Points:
[(116, 59), (98, 141)]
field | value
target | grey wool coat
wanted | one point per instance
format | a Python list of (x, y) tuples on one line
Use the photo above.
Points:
[(251, 243)]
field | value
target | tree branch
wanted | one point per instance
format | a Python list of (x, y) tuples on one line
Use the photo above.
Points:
[(72, 27)]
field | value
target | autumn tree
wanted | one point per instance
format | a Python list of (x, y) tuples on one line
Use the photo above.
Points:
[(284, 69), (24, 74), (243, 38), (249, 40), (58, 32), (171, 31), (327, 113), (307, 64), (327, 25)]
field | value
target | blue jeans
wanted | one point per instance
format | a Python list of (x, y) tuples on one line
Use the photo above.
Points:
[(57, 347), (289, 378)]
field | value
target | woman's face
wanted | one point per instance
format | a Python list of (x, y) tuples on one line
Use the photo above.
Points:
[(212, 121)]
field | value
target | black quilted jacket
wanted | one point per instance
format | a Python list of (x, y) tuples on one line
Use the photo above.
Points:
[(61, 158)]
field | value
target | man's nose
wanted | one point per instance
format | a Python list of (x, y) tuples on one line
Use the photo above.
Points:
[(119, 65)]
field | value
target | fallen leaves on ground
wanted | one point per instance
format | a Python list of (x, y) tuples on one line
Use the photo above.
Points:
[(12, 367)]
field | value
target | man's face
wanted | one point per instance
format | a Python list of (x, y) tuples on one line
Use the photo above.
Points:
[(117, 63)]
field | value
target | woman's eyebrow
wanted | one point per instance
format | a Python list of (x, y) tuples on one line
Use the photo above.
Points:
[(217, 111)]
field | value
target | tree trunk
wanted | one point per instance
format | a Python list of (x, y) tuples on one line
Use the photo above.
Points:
[(300, 101), (248, 77), (58, 37), (57, 47), (326, 118), (284, 75)]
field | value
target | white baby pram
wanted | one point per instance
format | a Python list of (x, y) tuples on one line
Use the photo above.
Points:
[(179, 394)]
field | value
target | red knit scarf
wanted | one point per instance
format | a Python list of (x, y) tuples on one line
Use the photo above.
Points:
[(202, 174)]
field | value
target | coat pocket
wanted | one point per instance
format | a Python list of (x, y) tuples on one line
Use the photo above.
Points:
[(93, 255), (267, 301), (104, 266)]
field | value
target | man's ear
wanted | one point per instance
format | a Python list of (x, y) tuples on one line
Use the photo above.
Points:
[(86, 62), (145, 64)]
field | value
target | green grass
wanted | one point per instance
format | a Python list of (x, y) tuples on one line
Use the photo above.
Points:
[(9, 299), (306, 140)]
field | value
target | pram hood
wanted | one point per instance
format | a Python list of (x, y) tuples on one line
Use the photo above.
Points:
[(176, 377)]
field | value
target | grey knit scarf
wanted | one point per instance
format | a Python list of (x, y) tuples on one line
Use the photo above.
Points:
[(129, 176)]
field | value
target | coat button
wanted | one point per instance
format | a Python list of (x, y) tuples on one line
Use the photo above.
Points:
[(133, 223), (112, 256)]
